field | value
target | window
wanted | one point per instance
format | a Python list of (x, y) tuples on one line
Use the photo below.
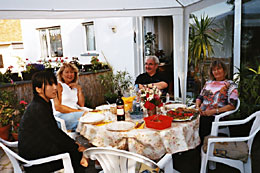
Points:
[(51, 43), (90, 36)]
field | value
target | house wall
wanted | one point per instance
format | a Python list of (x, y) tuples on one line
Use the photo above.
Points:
[(10, 43), (116, 47)]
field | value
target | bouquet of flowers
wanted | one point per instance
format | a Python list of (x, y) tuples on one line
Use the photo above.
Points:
[(150, 97)]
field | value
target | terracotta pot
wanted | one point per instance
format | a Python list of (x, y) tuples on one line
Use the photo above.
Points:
[(4, 132), (15, 136)]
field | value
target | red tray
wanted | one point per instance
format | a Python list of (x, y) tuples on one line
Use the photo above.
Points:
[(163, 123)]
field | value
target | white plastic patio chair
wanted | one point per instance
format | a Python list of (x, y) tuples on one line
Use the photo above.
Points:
[(225, 130), (209, 156), (121, 161), (15, 158), (73, 135)]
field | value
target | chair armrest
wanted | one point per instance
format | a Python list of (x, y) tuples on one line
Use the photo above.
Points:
[(215, 125), (217, 117), (62, 123), (65, 159), (9, 144), (166, 158)]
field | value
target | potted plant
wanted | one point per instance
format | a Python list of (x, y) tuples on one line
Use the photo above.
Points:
[(200, 45), (8, 103), (149, 43), (120, 81), (31, 68), (17, 118)]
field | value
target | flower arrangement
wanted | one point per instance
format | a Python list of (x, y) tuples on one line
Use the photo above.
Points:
[(150, 97)]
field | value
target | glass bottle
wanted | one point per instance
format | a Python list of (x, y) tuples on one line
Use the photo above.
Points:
[(120, 111)]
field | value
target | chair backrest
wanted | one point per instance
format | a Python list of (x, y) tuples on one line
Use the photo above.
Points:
[(115, 160), (15, 158), (254, 129)]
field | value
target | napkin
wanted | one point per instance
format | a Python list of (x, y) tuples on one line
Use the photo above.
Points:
[(104, 123), (140, 126)]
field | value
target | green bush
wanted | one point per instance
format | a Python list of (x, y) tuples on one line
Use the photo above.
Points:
[(248, 81)]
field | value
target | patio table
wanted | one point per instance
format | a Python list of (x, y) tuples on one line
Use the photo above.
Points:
[(181, 136)]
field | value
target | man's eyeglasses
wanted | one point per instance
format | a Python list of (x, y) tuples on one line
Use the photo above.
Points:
[(150, 64)]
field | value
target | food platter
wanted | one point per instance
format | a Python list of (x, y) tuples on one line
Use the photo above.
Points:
[(120, 126), (92, 118), (174, 106), (183, 114)]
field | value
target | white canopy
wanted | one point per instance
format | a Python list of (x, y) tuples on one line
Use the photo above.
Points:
[(50, 9), (69, 9)]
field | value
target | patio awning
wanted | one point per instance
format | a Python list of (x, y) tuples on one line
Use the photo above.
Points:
[(71, 9), (49, 9)]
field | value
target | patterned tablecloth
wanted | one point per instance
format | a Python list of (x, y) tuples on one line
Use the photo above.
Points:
[(148, 142)]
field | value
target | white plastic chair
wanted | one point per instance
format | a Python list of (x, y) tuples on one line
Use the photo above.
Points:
[(121, 161), (15, 158), (73, 135), (225, 130), (209, 156)]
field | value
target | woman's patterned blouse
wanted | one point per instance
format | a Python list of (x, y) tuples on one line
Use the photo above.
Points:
[(217, 94)]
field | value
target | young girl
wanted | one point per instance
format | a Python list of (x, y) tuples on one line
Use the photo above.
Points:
[(39, 135)]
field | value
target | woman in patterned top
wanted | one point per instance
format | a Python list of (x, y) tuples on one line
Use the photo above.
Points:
[(217, 96)]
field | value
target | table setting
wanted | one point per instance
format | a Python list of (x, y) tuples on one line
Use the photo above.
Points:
[(172, 129)]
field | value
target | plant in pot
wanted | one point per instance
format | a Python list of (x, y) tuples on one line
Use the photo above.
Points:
[(31, 68), (8, 102), (201, 37), (20, 108), (112, 83), (149, 43)]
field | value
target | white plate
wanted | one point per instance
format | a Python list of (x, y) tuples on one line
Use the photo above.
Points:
[(120, 126), (103, 107), (91, 118), (175, 105)]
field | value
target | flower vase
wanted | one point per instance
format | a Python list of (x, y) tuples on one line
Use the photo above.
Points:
[(152, 112)]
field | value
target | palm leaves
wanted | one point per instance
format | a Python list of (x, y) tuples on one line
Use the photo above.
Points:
[(200, 39)]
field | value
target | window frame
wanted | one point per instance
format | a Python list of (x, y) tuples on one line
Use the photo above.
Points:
[(88, 40), (48, 48)]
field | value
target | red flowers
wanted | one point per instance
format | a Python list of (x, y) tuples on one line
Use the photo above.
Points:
[(23, 102), (149, 105), (151, 97)]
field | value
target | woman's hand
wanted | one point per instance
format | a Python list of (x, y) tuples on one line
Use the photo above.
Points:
[(74, 85), (208, 112), (84, 161)]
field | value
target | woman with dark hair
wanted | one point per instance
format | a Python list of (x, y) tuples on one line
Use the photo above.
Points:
[(70, 96), (218, 95), (39, 135)]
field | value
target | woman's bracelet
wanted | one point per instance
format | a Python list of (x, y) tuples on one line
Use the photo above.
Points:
[(217, 111)]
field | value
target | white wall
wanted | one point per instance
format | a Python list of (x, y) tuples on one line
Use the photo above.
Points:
[(9, 57), (117, 47)]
